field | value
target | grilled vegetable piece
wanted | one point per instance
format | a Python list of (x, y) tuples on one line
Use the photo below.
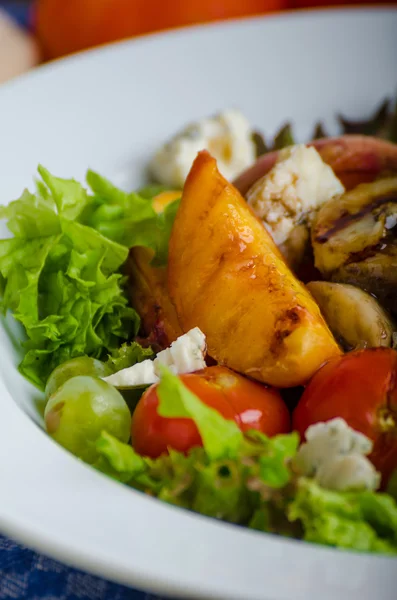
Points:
[(355, 222), (354, 158), (227, 277), (296, 247), (148, 288), (376, 274), (355, 318), (150, 298), (354, 240)]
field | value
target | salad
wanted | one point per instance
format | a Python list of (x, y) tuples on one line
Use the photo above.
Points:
[(223, 339)]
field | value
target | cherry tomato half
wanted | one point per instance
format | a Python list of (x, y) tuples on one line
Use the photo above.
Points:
[(360, 387), (250, 404), (64, 26)]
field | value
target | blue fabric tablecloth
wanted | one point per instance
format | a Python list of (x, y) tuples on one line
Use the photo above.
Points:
[(19, 10), (27, 575)]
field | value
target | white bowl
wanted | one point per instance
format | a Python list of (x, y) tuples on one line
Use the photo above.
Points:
[(108, 110)]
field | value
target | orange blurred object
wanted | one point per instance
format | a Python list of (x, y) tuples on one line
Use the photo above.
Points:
[(331, 3), (66, 26)]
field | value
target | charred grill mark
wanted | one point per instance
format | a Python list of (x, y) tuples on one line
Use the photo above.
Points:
[(356, 257), (278, 339), (293, 315), (383, 246), (202, 216), (284, 326), (346, 219), (156, 338)]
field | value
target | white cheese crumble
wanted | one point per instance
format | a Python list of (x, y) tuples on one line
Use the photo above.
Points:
[(294, 189), (185, 355), (335, 455), (227, 136)]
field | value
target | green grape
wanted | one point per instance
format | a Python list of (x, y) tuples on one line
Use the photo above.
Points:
[(80, 410), (82, 365)]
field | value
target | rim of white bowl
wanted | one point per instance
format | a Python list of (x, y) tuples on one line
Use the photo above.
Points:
[(59, 506)]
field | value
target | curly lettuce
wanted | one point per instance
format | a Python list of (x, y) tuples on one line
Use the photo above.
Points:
[(248, 479), (61, 272), (126, 355)]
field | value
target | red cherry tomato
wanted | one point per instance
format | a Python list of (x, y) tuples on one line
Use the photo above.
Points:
[(360, 387), (250, 404)]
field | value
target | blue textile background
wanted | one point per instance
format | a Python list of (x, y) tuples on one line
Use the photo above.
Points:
[(18, 9), (27, 575)]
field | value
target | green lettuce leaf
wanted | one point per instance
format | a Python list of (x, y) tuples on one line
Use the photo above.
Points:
[(229, 478), (68, 195), (380, 511), (221, 491), (392, 485), (165, 222), (239, 490), (224, 488), (128, 355), (377, 125), (128, 218), (65, 288), (363, 521), (284, 137), (151, 191), (61, 272), (274, 462), (83, 239), (319, 132), (113, 204), (221, 438), (21, 263), (117, 459), (32, 215)]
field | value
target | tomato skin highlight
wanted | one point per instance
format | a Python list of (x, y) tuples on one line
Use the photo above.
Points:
[(251, 405), (361, 388)]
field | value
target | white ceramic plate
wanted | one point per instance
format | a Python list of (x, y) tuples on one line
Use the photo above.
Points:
[(108, 110)]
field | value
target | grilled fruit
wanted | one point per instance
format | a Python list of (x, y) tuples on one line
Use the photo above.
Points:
[(227, 276), (148, 289), (354, 158), (354, 240), (355, 318), (296, 247)]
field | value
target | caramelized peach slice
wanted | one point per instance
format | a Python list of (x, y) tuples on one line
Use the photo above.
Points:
[(150, 298), (226, 276), (148, 288)]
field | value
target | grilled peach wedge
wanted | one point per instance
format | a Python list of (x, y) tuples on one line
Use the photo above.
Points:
[(227, 276), (148, 288)]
